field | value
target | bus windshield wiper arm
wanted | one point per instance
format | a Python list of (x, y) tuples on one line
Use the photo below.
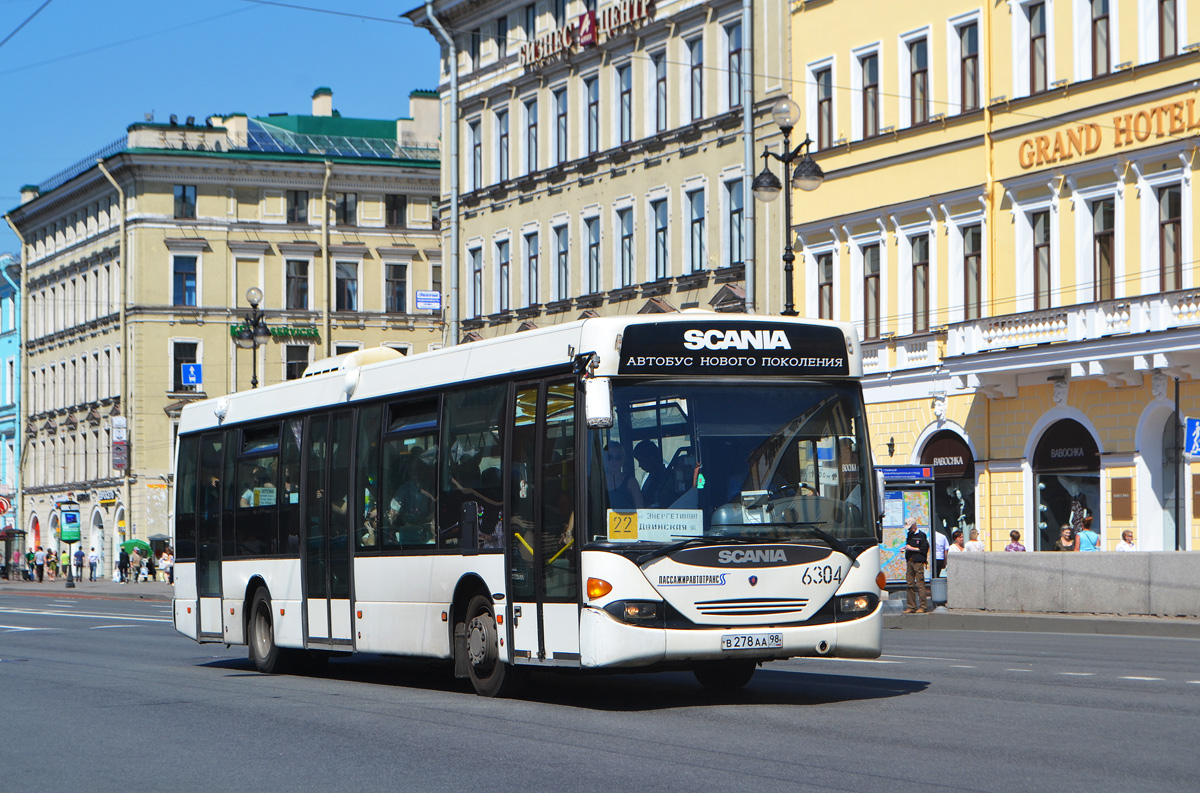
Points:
[(667, 550), (833, 542)]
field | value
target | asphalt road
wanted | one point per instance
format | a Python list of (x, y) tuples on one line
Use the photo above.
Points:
[(103, 694)]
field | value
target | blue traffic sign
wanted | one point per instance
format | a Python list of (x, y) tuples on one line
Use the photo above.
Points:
[(192, 374), (1191, 444), (429, 300)]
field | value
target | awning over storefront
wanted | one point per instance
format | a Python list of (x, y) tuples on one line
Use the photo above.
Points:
[(949, 456)]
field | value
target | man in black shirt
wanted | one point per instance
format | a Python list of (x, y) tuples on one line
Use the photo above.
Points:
[(916, 551)]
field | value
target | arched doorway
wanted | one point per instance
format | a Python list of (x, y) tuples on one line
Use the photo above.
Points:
[(97, 541), (1066, 480), (954, 482), (35, 530)]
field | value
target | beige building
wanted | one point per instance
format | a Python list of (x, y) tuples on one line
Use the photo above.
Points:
[(1009, 217), (137, 262), (601, 155)]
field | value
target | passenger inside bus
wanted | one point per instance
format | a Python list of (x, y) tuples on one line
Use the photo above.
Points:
[(649, 458), (623, 490)]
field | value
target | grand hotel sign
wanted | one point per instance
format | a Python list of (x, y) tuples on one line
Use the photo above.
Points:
[(585, 31)]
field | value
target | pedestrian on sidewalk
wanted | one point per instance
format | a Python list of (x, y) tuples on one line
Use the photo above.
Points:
[(1089, 538), (975, 544), (1066, 540), (1015, 545), (29, 563), (150, 567), (135, 564), (51, 564), (123, 566), (79, 564), (39, 563), (1126, 543), (940, 546), (93, 563), (916, 552), (169, 565)]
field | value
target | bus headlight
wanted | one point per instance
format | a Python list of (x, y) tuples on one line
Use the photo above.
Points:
[(637, 612), (854, 604)]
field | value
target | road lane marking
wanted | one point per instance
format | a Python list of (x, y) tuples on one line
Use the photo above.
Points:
[(1078, 674), (919, 657), (1131, 677), (855, 660), (102, 627), (961, 666), (1018, 670), (79, 615), (18, 628)]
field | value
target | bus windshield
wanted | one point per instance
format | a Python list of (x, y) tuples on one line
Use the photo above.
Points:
[(731, 461)]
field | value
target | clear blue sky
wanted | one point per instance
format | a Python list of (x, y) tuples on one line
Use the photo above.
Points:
[(82, 71)]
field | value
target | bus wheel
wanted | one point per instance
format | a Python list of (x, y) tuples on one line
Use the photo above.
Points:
[(267, 657), (725, 675), (490, 676)]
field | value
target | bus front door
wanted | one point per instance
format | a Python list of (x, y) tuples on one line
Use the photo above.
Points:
[(212, 497), (542, 554), (327, 526)]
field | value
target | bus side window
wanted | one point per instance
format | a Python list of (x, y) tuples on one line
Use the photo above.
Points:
[(407, 492), (366, 490), (472, 444), (186, 497), (289, 488)]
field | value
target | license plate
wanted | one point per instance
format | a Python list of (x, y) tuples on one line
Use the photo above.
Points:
[(751, 641)]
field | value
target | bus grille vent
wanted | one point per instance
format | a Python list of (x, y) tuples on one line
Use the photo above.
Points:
[(751, 607)]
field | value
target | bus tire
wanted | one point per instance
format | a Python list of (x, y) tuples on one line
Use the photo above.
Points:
[(268, 657), (725, 675), (490, 676)]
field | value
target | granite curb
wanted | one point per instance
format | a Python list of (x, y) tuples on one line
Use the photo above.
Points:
[(146, 590)]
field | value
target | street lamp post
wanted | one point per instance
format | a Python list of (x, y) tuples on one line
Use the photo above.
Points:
[(254, 332), (767, 187)]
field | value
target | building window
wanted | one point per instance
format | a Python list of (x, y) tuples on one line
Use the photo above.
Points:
[(473, 41), (870, 94), (1041, 259), (659, 62), (1103, 248), (476, 257), (503, 277), (658, 209), (696, 56), (347, 286), (531, 21), (592, 86), (825, 285), (297, 206), (1037, 47), (182, 353), (184, 270), (625, 86), (870, 254), (1168, 43), (1100, 52), (625, 250), (973, 271), (531, 269), (824, 80), (695, 201), (593, 242), (185, 201), (502, 36), (475, 175), (1170, 252), (560, 13), (968, 47), (733, 35), (296, 361), (531, 136), (345, 209), (562, 244), (296, 289), (734, 194), (396, 288), (395, 208), (920, 283), (502, 145), (560, 127), (918, 59)]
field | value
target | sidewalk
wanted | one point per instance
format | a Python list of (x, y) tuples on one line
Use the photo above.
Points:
[(944, 619), (146, 590)]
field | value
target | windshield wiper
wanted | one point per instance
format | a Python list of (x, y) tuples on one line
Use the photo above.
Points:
[(833, 542), (667, 550)]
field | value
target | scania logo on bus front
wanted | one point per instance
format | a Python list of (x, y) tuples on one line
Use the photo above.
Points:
[(736, 339), (755, 556)]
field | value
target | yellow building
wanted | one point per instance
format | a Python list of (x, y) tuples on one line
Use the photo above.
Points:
[(598, 153), (1009, 217), (137, 266)]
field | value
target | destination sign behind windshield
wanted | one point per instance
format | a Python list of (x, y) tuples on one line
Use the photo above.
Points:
[(731, 347)]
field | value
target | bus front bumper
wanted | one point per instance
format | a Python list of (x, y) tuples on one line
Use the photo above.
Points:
[(604, 641)]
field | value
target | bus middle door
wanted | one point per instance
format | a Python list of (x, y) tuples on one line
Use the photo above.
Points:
[(327, 532), (543, 557)]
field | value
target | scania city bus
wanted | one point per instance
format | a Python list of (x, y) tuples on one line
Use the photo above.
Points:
[(684, 491)]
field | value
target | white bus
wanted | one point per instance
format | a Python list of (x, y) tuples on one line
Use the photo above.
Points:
[(684, 491)]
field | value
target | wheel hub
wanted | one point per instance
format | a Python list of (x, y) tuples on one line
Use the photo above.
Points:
[(481, 641)]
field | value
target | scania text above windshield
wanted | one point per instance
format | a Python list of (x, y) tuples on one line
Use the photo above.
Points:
[(680, 348)]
